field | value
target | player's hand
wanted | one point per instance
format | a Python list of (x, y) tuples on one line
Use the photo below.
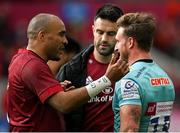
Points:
[(67, 85), (117, 68)]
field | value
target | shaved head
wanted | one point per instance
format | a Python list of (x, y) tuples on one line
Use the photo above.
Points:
[(40, 23), (46, 36)]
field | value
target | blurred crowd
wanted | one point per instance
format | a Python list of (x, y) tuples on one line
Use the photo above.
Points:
[(77, 16)]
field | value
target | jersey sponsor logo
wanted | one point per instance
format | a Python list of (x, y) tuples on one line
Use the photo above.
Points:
[(108, 90), (89, 80), (98, 99), (159, 108), (129, 84), (160, 121), (129, 89), (164, 108), (159, 81), (151, 109)]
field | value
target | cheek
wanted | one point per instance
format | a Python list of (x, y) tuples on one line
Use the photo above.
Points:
[(118, 45), (96, 37), (97, 40)]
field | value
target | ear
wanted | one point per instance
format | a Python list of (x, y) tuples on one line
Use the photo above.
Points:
[(41, 35), (93, 29), (131, 41)]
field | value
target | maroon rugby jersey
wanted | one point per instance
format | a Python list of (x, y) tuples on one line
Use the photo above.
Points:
[(30, 84), (99, 116)]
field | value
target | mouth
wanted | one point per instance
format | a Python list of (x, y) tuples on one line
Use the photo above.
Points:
[(61, 48), (104, 45)]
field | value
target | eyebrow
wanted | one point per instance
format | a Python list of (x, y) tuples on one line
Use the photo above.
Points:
[(62, 32), (105, 31)]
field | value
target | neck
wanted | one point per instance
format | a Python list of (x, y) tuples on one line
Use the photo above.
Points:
[(38, 50), (100, 58), (139, 55)]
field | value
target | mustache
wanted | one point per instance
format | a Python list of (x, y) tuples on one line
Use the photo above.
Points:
[(103, 42), (64, 47)]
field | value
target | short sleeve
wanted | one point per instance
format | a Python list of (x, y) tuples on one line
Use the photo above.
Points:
[(129, 92), (37, 77)]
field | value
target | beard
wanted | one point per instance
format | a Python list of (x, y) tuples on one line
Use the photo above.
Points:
[(124, 56), (105, 51), (54, 57)]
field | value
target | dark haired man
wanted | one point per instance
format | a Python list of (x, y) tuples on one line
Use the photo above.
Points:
[(96, 115)]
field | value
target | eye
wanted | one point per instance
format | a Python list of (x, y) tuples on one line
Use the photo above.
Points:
[(99, 32), (112, 33), (62, 33)]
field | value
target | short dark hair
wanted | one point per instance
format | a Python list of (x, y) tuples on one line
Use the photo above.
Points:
[(72, 45), (141, 26), (109, 12)]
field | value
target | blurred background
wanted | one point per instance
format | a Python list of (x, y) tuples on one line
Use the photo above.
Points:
[(78, 18)]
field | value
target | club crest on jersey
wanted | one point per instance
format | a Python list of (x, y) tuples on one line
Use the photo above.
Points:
[(159, 81)]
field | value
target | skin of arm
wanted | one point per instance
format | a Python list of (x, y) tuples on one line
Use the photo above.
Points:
[(130, 118), (69, 100)]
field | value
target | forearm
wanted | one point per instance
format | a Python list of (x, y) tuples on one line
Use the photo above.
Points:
[(129, 127), (69, 100)]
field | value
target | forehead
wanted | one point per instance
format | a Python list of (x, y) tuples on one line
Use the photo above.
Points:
[(121, 30), (120, 33), (58, 25), (105, 25)]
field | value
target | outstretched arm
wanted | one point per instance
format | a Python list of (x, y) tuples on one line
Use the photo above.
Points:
[(67, 101)]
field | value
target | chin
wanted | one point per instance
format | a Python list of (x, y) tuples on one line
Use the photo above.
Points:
[(55, 59)]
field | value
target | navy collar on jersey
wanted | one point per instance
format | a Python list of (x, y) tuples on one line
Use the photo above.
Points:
[(144, 60)]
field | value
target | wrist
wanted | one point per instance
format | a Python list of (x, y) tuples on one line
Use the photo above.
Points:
[(98, 85)]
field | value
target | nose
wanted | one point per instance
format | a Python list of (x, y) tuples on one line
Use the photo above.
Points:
[(104, 37), (65, 41)]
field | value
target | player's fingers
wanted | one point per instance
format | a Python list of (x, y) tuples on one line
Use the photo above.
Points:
[(115, 57), (123, 65), (70, 88), (67, 81), (120, 62), (112, 59), (126, 68)]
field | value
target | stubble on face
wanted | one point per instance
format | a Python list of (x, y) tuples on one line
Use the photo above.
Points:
[(121, 45), (105, 50), (57, 36), (104, 36)]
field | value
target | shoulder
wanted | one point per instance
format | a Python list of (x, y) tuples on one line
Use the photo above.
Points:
[(35, 67), (80, 60), (137, 71), (129, 82)]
